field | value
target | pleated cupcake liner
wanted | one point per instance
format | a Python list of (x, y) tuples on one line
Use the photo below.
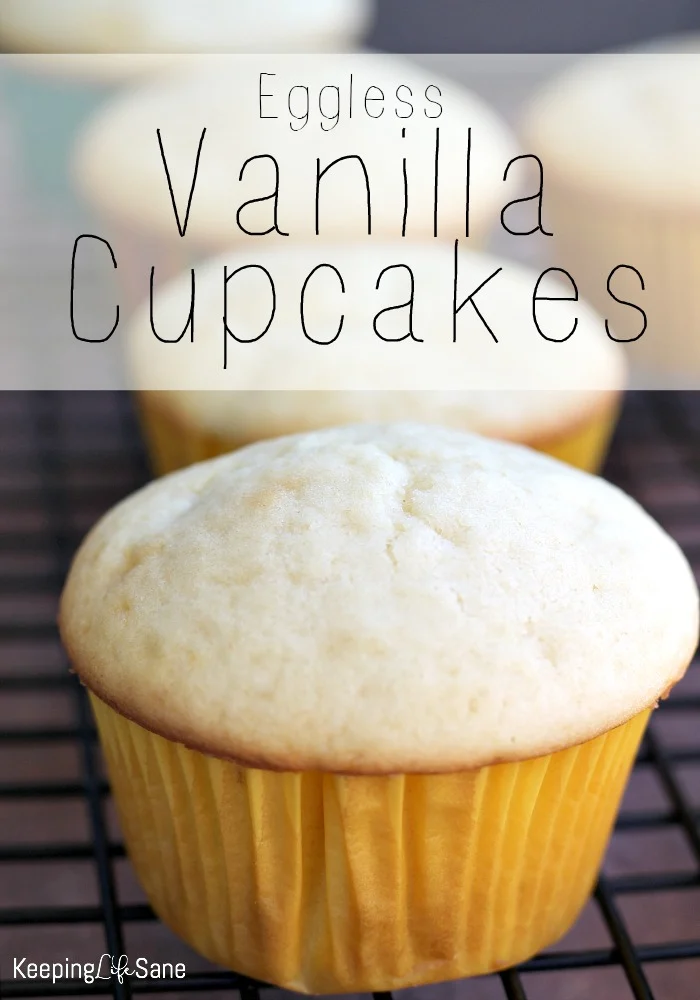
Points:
[(323, 883)]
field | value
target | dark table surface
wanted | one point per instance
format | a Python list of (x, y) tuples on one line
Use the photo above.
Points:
[(527, 25)]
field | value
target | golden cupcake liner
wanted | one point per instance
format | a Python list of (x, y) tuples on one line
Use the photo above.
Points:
[(173, 443), (593, 234), (586, 445), (324, 883)]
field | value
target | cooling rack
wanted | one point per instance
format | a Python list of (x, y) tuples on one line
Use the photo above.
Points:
[(66, 890)]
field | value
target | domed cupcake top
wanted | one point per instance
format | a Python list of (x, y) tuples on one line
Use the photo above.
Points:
[(626, 124), (379, 599)]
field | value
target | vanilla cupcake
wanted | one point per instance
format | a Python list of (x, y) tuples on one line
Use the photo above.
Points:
[(369, 697), (619, 137), (562, 398), (409, 141), (170, 26)]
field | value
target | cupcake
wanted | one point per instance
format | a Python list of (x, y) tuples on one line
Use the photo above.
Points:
[(369, 697), (618, 137), (149, 26), (83, 49), (408, 142), (562, 398)]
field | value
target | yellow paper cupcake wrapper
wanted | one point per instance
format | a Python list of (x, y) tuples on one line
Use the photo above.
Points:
[(172, 444), (328, 884)]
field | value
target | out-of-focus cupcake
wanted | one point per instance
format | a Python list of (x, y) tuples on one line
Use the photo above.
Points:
[(619, 137), (562, 398), (369, 697), (169, 26), (83, 49), (386, 118)]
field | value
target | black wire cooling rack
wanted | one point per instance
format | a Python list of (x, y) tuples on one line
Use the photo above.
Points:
[(65, 886)]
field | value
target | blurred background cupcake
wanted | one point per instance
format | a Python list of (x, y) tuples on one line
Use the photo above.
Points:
[(53, 93), (119, 168), (149, 26), (619, 136), (521, 388)]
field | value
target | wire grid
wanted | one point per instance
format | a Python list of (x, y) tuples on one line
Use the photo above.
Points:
[(64, 460)]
